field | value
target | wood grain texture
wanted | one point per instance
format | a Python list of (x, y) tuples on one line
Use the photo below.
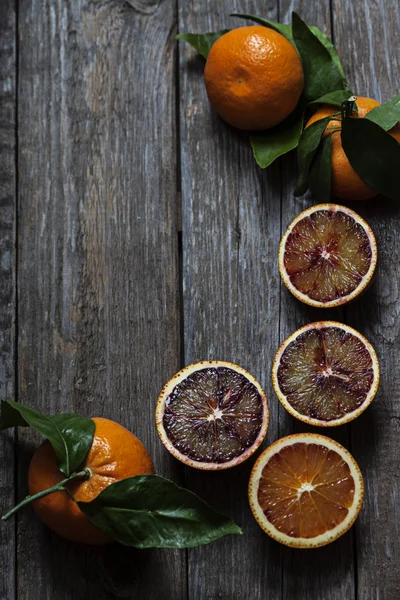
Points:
[(328, 573), (98, 257), (98, 280), (371, 58), (230, 227), (7, 281)]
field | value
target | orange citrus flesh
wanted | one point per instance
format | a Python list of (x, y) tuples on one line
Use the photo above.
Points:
[(327, 255), (325, 373), (115, 454), (213, 415), (306, 490), (254, 77)]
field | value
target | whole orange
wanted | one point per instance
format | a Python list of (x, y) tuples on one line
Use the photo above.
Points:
[(115, 454), (346, 183), (254, 77)]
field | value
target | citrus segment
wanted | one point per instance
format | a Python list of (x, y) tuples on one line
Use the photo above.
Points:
[(305, 490), (328, 256), (326, 373), (212, 415)]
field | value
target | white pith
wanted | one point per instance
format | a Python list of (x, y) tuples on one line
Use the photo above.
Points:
[(328, 536), (349, 416), (217, 414), (305, 487), (364, 281)]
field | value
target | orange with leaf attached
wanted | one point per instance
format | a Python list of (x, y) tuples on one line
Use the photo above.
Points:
[(115, 454), (346, 183), (254, 77)]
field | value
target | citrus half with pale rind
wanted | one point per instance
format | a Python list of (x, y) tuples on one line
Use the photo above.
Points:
[(326, 373), (212, 415), (328, 256), (305, 490)]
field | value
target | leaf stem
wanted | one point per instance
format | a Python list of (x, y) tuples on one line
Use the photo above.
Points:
[(59, 487), (347, 107)]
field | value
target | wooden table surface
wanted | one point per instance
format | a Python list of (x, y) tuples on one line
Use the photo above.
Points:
[(137, 235)]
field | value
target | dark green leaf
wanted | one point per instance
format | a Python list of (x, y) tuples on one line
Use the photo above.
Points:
[(321, 172), (285, 30), (201, 42), (387, 115), (325, 41), (149, 511), (78, 433), (321, 73), (70, 435), (373, 154), (335, 98), (269, 145), (308, 146)]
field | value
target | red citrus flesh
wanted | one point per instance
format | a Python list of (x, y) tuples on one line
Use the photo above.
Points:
[(325, 373), (306, 490), (327, 255), (213, 415)]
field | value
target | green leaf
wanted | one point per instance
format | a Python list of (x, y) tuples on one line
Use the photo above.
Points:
[(321, 171), (321, 73), (269, 145), (70, 435), (308, 146), (325, 41), (149, 511), (201, 42), (387, 115), (335, 98), (373, 154), (285, 30)]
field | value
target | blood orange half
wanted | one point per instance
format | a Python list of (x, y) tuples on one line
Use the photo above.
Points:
[(327, 256), (305, 490), (326, 373), (212, 415)]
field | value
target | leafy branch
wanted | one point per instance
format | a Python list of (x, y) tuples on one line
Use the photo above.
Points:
[(144, 511)]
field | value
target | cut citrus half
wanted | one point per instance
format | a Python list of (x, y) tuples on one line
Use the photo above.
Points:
[(305, 490), (327, 256), (326, 373), (212, 415)]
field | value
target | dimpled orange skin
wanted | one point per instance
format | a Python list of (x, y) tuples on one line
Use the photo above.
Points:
[(115, 454), (254, 77), (346, 183)]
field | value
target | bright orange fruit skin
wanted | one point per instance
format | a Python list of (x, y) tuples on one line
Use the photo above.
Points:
[(254, 77), (115, 454), (346, 183)]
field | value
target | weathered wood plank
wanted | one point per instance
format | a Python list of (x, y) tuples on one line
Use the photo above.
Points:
[(7, 281), (98, 256), (329, 573), (98, 230), (368, 38), (231, 225)]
